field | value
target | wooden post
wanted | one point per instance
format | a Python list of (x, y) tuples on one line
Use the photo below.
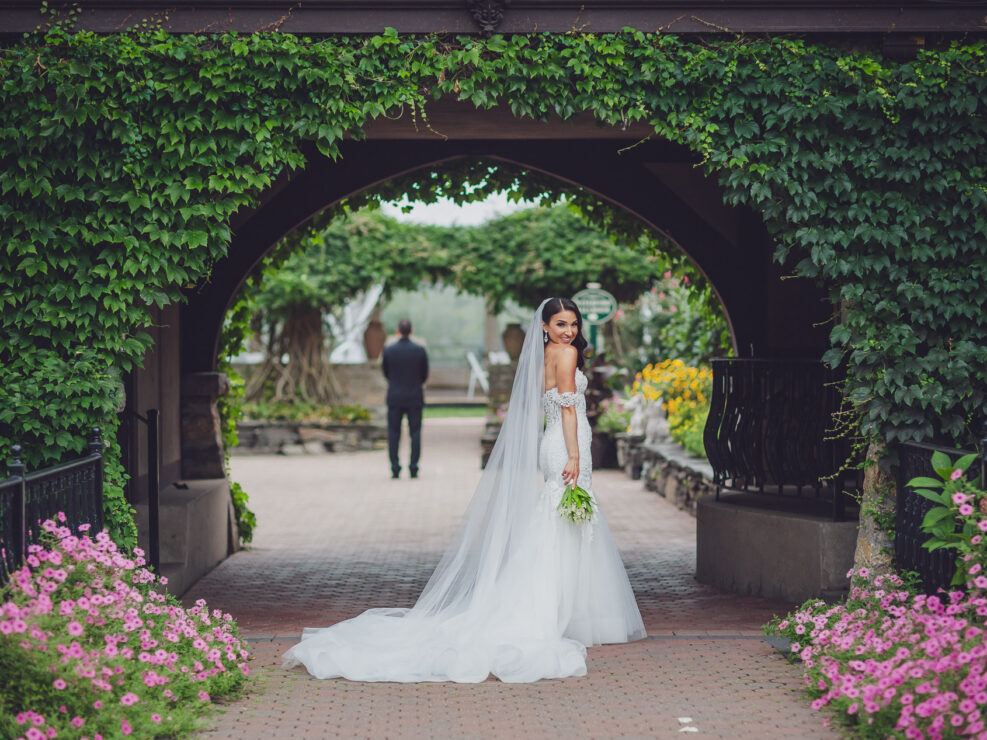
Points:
[(153, 492)]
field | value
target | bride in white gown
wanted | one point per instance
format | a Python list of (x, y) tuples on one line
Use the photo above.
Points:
[(521, 591)]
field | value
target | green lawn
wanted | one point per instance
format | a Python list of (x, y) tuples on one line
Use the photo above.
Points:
[(445, 412)]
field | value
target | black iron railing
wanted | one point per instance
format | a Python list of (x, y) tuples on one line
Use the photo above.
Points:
[(770, 429), (936, 568), (27, 499)]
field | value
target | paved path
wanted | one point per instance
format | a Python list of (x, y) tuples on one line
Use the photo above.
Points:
[(337, 536)]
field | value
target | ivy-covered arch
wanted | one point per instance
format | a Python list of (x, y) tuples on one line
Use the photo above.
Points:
[(610, 186), (124, 157)]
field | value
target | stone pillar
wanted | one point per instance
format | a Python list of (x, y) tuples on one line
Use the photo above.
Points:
[(501, 378), (491, 331), (202, 440)]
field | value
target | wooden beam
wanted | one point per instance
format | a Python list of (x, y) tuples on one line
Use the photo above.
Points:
[(326, 17)]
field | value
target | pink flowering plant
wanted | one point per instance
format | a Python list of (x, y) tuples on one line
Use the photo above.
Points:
[(895, 664), (91, 647), (959, 519)]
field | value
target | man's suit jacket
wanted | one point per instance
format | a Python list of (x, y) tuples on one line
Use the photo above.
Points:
[(405, 366)]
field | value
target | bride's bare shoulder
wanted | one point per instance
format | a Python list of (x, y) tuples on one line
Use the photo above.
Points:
[(562, 353)]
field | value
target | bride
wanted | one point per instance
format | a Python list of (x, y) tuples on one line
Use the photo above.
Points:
[(521, 591)]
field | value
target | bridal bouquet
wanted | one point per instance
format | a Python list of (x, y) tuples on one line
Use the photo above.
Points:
[(576, 505)]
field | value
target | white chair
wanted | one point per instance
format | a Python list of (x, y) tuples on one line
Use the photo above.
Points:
[(477, 375), (498, 357)]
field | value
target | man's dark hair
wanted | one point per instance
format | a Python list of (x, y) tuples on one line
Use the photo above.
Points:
[(404, 327)]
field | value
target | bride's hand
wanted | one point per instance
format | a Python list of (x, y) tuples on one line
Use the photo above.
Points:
[(571, 471)]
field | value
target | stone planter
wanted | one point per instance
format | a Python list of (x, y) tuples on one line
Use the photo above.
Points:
[(629, 455), (604, 450), (303, 438)]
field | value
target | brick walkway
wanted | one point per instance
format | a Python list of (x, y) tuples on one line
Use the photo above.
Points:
[(338, 536)]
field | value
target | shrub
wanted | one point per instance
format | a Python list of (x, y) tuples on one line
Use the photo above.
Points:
[(614, 418), (892, 663), (687, 424), (685, 393), (896, 664), (91, 647), (303, 411), (959, 520)]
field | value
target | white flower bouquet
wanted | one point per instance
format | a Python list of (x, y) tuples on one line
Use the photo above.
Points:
[(576, 505)]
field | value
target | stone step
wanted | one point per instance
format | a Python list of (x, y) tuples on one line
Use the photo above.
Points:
[(196, 529)]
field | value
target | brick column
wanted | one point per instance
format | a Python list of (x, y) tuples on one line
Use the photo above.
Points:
[(202, 441)]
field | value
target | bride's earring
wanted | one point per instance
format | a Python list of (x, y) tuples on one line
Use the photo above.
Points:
[(544, 336)]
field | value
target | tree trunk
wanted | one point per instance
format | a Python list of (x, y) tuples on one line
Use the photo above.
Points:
[(878, 506), (307, 376)]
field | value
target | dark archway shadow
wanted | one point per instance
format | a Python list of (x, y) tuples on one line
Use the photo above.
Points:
[(654, 181)]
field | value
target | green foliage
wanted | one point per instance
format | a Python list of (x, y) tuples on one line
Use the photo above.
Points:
[(614, 417), (687, 425), (540, 252), (958, 521), (306, 412), (323, 270), (522, 257), (81, 669), (674, 320), (236, 329), (124, 156)]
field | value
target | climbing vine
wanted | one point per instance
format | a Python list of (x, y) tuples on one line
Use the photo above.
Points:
[(122, 158)]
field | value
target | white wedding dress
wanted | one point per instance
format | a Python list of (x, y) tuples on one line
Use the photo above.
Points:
[(519, 594)]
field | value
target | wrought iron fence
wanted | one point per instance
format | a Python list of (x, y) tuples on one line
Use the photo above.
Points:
[(770, 429), (27, 499), (935, 568)]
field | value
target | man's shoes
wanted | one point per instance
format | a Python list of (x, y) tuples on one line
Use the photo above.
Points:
[(397, 474), (414, 473)]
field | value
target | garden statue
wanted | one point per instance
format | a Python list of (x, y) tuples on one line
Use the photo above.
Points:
[(638, 408), (656, 425)]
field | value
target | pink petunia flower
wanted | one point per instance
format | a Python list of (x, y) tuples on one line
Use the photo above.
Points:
[(956, 474)]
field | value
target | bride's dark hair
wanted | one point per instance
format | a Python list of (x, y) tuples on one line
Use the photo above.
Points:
[(558, 305)]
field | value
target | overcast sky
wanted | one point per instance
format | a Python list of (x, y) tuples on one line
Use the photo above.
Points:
[(448, 213)]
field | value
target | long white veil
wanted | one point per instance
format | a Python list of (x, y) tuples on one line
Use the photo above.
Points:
[(505, 497), (519, 592)]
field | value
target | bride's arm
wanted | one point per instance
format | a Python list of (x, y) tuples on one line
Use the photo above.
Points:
[(565, 375)]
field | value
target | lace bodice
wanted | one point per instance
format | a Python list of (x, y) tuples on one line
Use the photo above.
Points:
[(552, 455), (552, 401)]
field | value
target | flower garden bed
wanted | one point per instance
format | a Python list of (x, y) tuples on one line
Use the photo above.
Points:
[(91, 648), (684, 392), (893, 663)]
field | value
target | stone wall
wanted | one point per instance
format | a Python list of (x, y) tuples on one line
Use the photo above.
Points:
[(667, 469), (298, 438)]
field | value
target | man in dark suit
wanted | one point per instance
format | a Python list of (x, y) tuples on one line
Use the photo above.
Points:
[(405, 366)]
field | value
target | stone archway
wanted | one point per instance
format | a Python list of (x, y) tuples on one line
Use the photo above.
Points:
[(654, 181)]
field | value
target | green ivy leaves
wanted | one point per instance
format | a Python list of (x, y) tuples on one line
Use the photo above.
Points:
[(123, 157)]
